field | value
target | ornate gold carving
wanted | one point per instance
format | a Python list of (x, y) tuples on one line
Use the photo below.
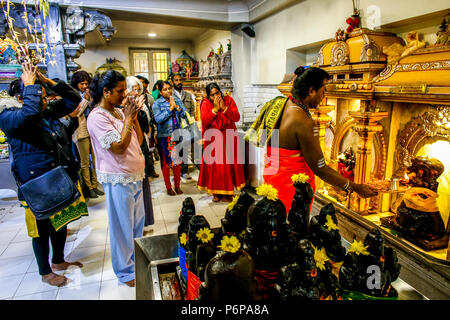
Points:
[(396, 51), (379, 146), (434, 125), (340, 54), (370, 51), (320, 56)]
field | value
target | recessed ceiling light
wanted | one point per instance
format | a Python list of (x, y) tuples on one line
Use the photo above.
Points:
[(152, 34)]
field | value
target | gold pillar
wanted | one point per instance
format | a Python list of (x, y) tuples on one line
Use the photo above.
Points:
[(322, 120), (366, 126)]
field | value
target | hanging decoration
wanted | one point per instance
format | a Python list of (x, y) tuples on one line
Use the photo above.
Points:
[(27, 27), (355, 20)]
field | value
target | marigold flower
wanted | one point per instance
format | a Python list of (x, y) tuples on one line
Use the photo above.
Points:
[(183, 238), (230, 244), (233, 203), (301, 178), (320, 256), (358, 248), (204, 235), (330, 224), (268, 191)]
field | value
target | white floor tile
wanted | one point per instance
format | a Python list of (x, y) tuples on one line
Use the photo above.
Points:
[(87, 254), (18, 249), (31, 284), (172, 227), (15, 266), (7, 236), (114, 290), (89, 291), (96, 237), (9, 286), (89, 273), (7, 226), (108, 272), (47, 295), (22, 236)]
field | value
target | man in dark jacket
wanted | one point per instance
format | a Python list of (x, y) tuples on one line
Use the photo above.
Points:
[(37, 139), (188, 102)]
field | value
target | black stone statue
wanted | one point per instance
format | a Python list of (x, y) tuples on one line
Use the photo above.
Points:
[(324, 232), (230, 276)]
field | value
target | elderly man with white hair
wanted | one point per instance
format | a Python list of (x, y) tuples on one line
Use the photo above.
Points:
[(136, 89)]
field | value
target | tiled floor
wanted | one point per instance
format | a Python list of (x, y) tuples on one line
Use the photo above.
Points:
[(89, 244)]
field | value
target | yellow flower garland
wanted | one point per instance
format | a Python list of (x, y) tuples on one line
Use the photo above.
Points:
[(204, 235), (301, 178), (268, 191), (358, 248), (320, 256), (230, 244), (183, 238), (233, 203), (330, 224)]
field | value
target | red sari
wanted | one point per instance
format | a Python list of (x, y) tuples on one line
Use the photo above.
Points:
[(222, 168)]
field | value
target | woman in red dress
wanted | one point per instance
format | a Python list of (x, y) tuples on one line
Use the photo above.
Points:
[(222, 167)]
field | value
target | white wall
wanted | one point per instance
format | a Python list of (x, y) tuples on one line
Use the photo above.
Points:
[(210, 39), (95, 55), (317, 20)]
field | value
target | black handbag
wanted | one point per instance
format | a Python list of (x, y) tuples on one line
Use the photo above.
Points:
[(48, 193)]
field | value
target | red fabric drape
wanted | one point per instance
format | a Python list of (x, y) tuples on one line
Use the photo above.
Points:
[(280, 165), (193, 284), (222, 167)]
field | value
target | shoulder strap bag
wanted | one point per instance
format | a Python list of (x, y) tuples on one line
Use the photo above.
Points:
[(50, 192)]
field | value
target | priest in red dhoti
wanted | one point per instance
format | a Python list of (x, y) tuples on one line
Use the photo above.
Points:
[(222, 169), (297, 149)]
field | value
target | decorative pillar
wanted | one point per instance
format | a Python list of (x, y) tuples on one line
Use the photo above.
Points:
[(322, 120), (366, 127)]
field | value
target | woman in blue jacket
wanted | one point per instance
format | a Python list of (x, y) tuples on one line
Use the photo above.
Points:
[(168, 112), (30, 131)]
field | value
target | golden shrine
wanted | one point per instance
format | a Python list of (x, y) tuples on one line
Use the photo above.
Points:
[(389, 100)]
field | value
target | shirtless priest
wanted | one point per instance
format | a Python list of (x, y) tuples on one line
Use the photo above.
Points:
[(297, 149)]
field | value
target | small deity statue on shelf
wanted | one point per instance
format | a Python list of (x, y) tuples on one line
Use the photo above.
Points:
[(346, 164), (417, 214), (443, 35), (188, 70), (220, 49)]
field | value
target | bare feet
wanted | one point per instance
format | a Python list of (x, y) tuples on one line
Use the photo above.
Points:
[(216, 198), (54, 279), (170, 192), (131, 283), (65, 265), (178, 191)]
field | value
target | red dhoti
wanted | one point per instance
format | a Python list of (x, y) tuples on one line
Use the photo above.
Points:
[(280, 165)]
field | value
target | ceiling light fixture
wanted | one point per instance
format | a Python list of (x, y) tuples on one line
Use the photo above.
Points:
[(152, 35)]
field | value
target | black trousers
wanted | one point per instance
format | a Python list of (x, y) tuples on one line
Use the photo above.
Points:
[(41, 247)]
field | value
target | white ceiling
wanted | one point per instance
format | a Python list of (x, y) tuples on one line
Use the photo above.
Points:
[(140, 30)]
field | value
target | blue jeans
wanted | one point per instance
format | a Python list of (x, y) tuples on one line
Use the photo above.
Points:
[(126, 221)]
